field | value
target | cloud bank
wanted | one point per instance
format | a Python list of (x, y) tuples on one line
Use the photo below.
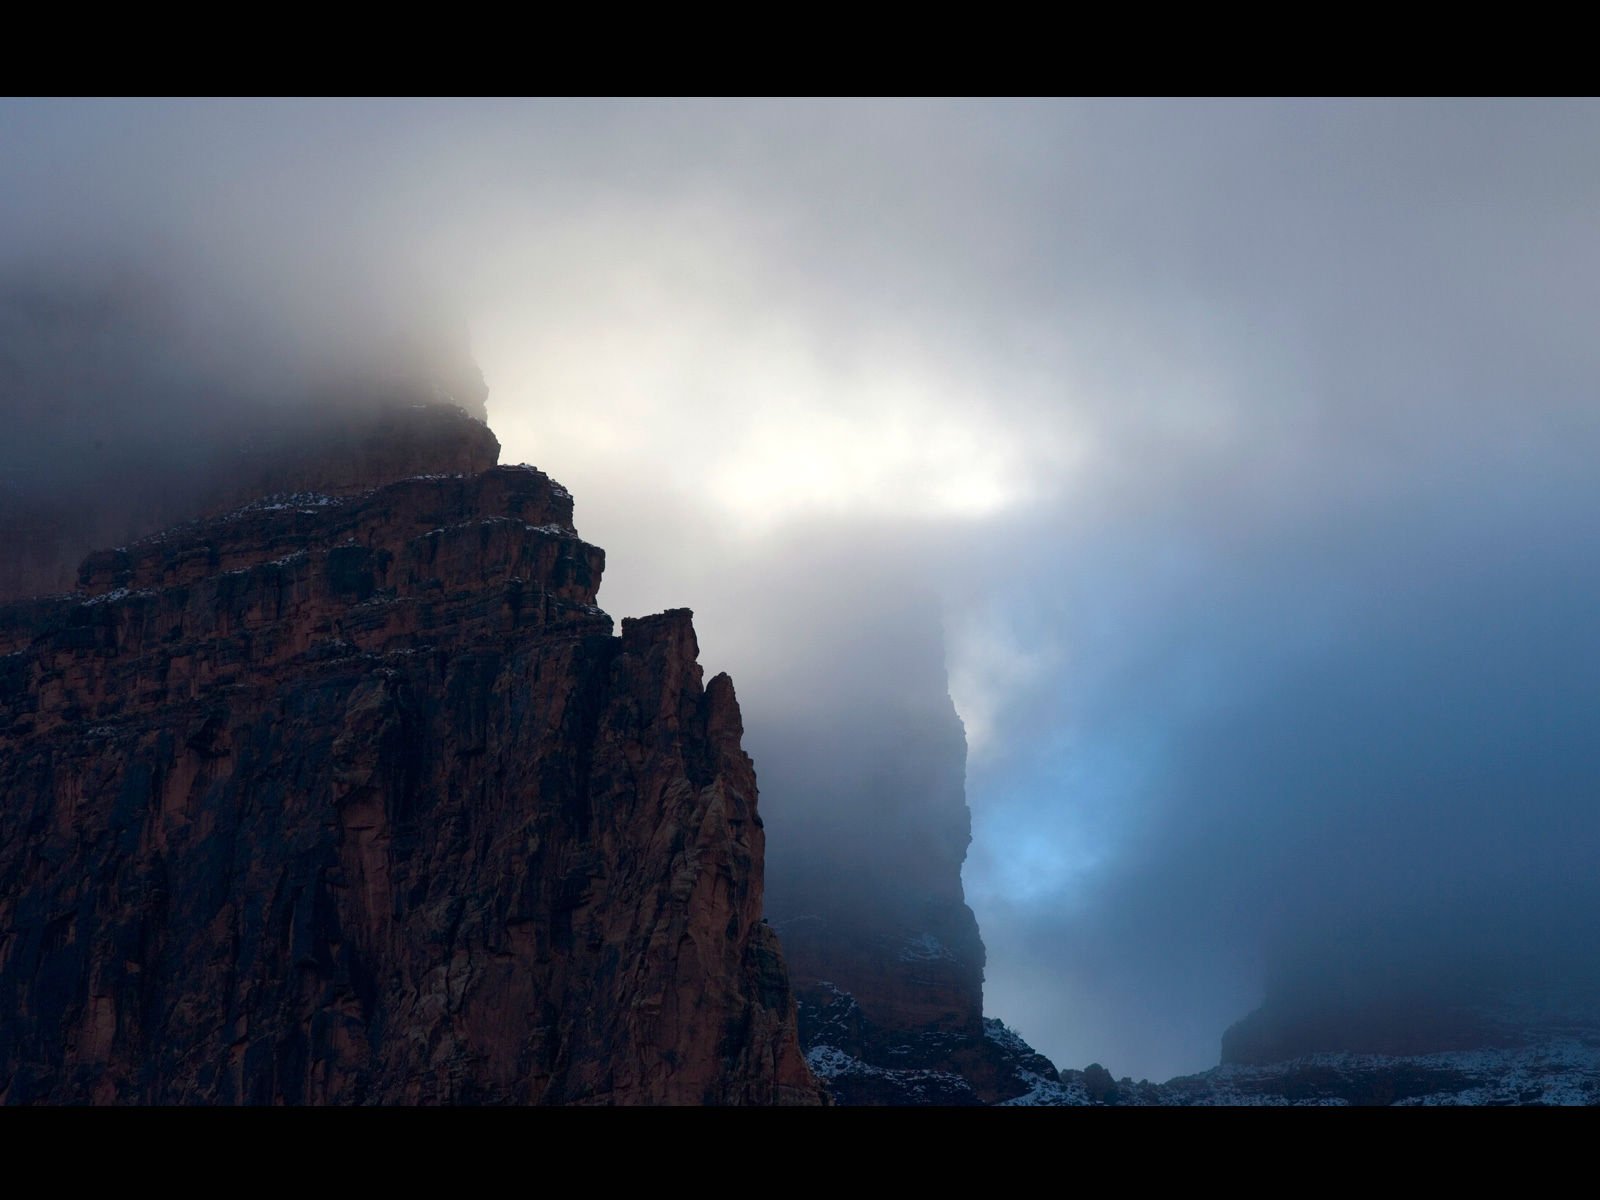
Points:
[(1245, 448)]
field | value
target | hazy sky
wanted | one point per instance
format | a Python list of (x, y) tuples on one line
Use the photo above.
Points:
[(1246, 447)]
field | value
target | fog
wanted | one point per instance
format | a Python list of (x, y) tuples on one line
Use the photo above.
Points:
[(1243, 451)]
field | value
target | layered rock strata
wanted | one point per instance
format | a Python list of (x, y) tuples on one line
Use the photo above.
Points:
[(351, 795)]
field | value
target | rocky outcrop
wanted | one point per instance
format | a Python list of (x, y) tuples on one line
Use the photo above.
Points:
[(1355, 1026), (1404, 1025), (1541, 1063), (865, 1063), (864, 881), (345, 451), (338, 451), (351, 795)]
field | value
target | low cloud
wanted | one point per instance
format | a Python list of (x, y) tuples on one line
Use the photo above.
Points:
[(1242, 452)]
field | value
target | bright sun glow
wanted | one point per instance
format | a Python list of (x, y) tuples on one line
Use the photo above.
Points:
[(763, 441), (678, 348)]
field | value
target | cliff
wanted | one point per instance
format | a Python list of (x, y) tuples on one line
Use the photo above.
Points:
[(877, 909), (351, 795), (864, 877)]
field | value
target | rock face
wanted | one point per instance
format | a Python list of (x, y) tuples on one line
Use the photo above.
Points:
[(351, 796), (878, 911), (864, 879)]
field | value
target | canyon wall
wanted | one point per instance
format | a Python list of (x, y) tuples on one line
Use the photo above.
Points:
[(351, 795)]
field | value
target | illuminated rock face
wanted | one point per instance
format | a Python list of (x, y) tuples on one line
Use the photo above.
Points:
[(351, 795)]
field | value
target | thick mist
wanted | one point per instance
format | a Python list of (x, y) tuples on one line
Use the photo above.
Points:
[(1243, 450)]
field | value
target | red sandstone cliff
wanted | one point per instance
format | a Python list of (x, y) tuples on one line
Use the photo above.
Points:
[(354, 797)]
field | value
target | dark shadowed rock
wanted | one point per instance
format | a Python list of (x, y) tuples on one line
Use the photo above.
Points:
[(882, 947), (1097, 1082), (341, 451)]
